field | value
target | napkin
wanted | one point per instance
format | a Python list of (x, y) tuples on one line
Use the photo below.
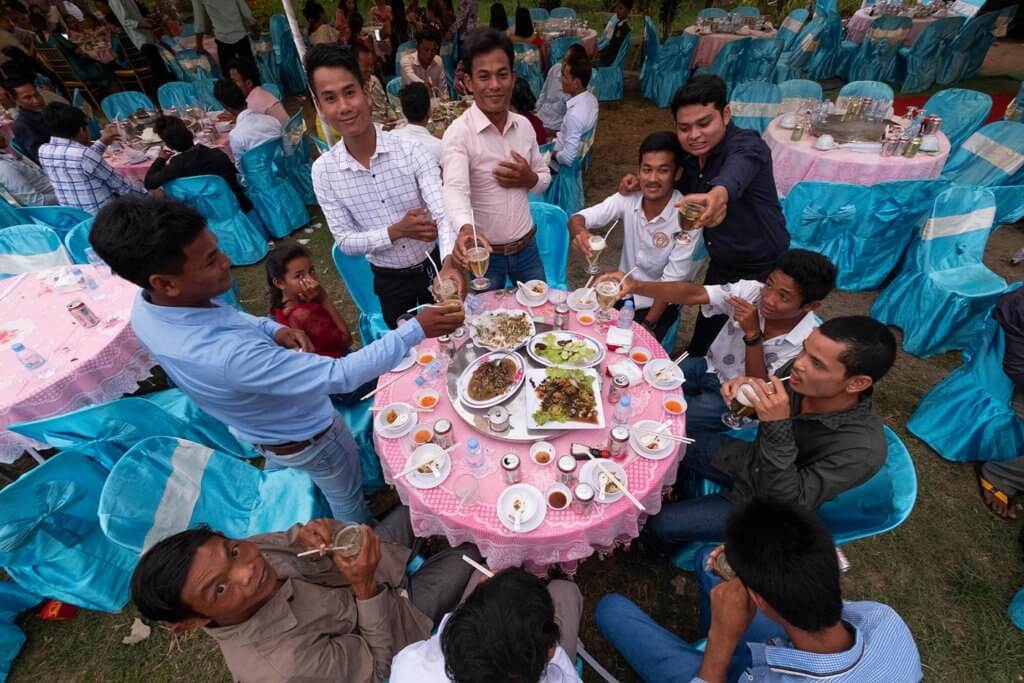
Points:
[(619, 339), (627, 368)]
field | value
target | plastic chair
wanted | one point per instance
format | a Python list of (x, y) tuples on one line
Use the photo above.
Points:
[(918, 66), (1009, 203), (25, 248), (712, 13), (274, 89), (666, 67), (204, 92), (403, 49), (358, 278), (177, 95), (607, 80), (566, 188), (563, 13), (795, 90), (194, 66), (77, 241), (538, 14), (945, 292), (746, 11), (967, 416), (962, 111), (60, 219), (754, 104), (791, 27), (876, 90), (121, 105), (559, 46), (298, 162), (875, 58), (993, 155), (293, 78), (394, 87), (13, 601), (50, 539), (240, 239), (266, 60), (553, 241), (728, 62), (792, 62), (277, 202), (967, 50), (527, 65)]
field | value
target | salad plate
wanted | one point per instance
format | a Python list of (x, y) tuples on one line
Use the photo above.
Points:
[(565, 349)]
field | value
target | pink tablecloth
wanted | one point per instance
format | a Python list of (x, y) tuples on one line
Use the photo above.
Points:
[(137, 171), (83, 365), (709, 45), (565, 536), (859, 24), (796, 161), (588, 40)]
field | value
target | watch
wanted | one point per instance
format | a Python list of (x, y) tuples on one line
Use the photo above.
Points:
[(751, 341)]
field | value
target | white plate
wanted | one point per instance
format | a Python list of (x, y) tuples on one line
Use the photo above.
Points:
[(670, 379), (535, 377), (463, 384), (485, 318), (562, 336), (638, 437), (521, 300), (574, 301), (534, 500), (406, 362), (382, 428), (427, 481), (590, 474)]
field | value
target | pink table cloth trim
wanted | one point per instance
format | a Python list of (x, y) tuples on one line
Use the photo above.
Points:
[(796, 161), (709, 46), (564, 537), (137, 172), (859, 24)]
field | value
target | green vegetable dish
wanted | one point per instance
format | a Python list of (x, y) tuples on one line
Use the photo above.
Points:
[(566, 396), (564, 351)]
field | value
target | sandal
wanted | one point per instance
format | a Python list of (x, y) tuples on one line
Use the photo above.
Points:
[(985, 486)]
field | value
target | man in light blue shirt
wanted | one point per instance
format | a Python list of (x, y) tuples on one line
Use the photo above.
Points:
[(776, 613), (551, 104), (251, 373), (580, 110)]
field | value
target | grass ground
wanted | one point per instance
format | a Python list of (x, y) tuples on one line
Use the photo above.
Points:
[(950, 570)]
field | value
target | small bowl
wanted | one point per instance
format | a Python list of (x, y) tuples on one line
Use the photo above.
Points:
[(640, 355), (674, 406), (425, 358), (553, 491), (825, 143), (586, 318), (535, 291), (427, 399), (788, 121), (542, 447), (557, 296), (422, 435)]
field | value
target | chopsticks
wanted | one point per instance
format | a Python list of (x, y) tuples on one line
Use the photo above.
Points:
[(429, 461), (377, 409), (613, 478), (477, 566), (683, 356), (385, 386), (671, 437)]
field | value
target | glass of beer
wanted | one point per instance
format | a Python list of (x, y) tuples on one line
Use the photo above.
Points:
[(446, 291), (741, 409), (597, 245), (607, 295), (478, 258), (689, 214)]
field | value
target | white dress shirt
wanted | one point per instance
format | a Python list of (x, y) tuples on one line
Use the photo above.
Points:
[(580, 118), (229, 18), (360, 203), (127, 12), (727, 355), (649, 245), (550, 107), (25, 181), (423, 136), (252, 129), (433, 76)]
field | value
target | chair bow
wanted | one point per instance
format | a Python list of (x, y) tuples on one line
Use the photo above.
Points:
[(50, 499), (818, 224)]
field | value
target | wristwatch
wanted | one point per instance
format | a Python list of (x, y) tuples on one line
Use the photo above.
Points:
[(751, 341)]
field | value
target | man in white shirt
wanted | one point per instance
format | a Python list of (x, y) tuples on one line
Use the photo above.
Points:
[(251, 129), (580, 111), (229, 19), (246, 75), (23, 179), (651, 240), (416, 106), (550, 107), (424, 64), (510, 628)]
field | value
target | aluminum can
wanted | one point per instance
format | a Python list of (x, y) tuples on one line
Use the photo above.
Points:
[(443, 433), (798, 132), (567, 470), (510, 466), (498, 419), (912, 148), (82, 314), (617, 389), (561, 316), (618, 439), (583, 498)]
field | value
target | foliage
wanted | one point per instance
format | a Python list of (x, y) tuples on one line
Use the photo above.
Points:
[(667, 11)]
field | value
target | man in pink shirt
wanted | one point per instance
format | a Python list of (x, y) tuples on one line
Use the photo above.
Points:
[(490, 163), (246, 75)]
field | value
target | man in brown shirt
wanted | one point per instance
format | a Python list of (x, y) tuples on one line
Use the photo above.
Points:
[(279, 617)]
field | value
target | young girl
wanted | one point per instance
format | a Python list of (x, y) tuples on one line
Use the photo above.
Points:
[(297, 300)]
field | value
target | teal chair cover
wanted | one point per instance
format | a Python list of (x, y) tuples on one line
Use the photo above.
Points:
[(967, 416), (759, 60), (822, 63), (962, 111), (607, 80), (60, 219), (754, 104), (77, 101), (1009, 203), (918, 66), (194, 66), (528, 66), (712, 13), (797, 89), (669, 69), (449, 57), (171, 63), (728, 62), (358, 278), (746, 11), (792, 63), (321, 146), (177, 95), (538, 14), (559, 46), (266, 60), (204, 92), (293, 78), (274, 89), (967, 50), (51, 543), (994, 155), (1016, 609), (240, 239), (394, 87), (566, 188), (13, 601), (77, 241), (650, 47), (165, 485), (945, 292), (563, 13), (267, 183), (876, 90), (875, 58), (403, 49), (9, 214), (299, 160), (791, 27), (25, 248), (121, 105), (552, 241)]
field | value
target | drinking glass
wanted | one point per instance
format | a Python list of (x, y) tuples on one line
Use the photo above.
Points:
[(597, 245), (466, 490), (478, 259), (740, 412), (689, 214), (446, 291), (607, 295)]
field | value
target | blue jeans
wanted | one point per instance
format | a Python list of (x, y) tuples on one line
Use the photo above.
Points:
[(704, 403), (333, 465), (522, 266)]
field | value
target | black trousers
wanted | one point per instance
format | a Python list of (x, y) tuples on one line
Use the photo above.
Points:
[(400, 290), (156, 65), (706, 329), (227, 52)]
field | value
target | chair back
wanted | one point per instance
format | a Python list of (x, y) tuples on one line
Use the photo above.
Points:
[(791, 27), (274, 89), (403, 49), (671, 71), (240, 239), (754, 104), (563, 13), (925, 57), (121, 105), (553, 241), (876, 90), (822, 63), (729, 61), (204, 91), (298, 162), (177, 95), (9, 214), (358, 278), (60, 219), (746, 11), (967, 8), (712, 13), (877, 54), (25, 248), (267, 183), (968, 48), (962, 111), (566, 188), (759, 60), (528, 66), (171, 63), (792, 62), (293, 78), (559, 46), (538, 14), (394, 87), (321, 145), (650, 46), (266, 60), (993, 155), (796, 89), (194, 65), (957, 231), (77, 241)]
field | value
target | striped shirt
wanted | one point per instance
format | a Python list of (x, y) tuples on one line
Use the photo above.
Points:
[(80, 176)]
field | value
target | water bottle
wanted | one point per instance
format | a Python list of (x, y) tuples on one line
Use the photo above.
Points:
[(626, 315), (432, 373), (622, 412), (30, 359), (474, 456), (83, 280)]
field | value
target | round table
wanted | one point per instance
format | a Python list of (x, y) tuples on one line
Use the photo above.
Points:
[(860, 23), (565, 536), (588, 38), (709, 45), (796, 161), (121, 161), (84, 366)]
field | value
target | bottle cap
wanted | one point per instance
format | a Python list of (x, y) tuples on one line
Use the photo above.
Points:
[(76, 271), (629, 304), (18, 347), (624, 401), (420, 381), (473, 443)]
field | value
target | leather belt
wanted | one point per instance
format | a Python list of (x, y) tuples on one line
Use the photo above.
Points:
[(295, 446), (514, 247)]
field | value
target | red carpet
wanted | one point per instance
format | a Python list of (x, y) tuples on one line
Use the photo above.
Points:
[(999, 102)]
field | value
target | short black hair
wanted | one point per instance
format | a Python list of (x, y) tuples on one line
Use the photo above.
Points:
[(160, 576), (143, 236), (482, 40), (277, 267), (355, 27), (16, 80), (704, 89), (576, 49), (312, 11), (524, 23), (415, 100), (229, 94), (174, 133), (579, 67), (499, 18), (662, 141), (331, 56), (63, 120), (430, 35), (785, 554), (246, 68), (814, 273), (523, 99), (628, 4), (870, 345), (502, 632)]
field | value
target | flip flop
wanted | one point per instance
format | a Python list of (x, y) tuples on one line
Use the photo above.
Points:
[(984, 485)]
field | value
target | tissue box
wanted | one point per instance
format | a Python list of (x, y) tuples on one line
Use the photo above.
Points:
[(628, 368), (619, 340)]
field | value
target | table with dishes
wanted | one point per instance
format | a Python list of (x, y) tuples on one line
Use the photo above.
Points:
[(76, 332), (550, 29), (714, 34), (860, 23), (546, 463)]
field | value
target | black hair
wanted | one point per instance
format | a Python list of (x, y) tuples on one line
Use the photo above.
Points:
[(502, 632), (277, 267), (785, 554), (160, 576), (499, 18), (355, 27), (359, 49), (575, 50), (870, 345), (399, 24), (704, 89), (662, 141), (38, 23), (229, 94), (143, 236), (174, 133), (313, 11), (814, 273), (430, 35), (628, 4), (480, 41), (579, 67), (17, 79), (63, 120), (524, 23), (523, 99), (246, 68), (415, 100)]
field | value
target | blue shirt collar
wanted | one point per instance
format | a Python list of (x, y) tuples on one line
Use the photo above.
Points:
[(786, 660)]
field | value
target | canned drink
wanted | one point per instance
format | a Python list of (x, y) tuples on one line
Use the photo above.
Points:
[(510, 466), (443, 433), (498, 419), (798, 132), (618, 438), (583, 498), (931, 124), (912, 148), (902, 145), (561, 316), (567, 470), (617, 389), (82, 314)]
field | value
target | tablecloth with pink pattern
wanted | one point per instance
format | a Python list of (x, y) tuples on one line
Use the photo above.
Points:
[(119, 161), (859, 24), (84, 366), (564, 537), (709, 45), (796, 161)]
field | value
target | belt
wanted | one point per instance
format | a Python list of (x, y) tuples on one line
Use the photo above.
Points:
[(514, 247), (295, 446), (418, 268)]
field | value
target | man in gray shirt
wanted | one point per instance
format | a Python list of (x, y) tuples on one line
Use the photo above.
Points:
[(25, 181), (229, 19), (551, 104)]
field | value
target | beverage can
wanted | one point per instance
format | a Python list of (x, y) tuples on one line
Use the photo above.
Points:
[(618, 438), (561, 316), (510, 466), (583, 497), (798, 132), (910, 151), (498, 419), (82, 314), (443, 433), (567, 470), (617, 389)]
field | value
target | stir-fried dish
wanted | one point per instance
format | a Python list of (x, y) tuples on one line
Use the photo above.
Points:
[(492, 379), (501, 330), (566, 396)]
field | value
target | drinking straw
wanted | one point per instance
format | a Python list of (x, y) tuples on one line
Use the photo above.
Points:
[(437, 271), (611, 228), (627, 275)]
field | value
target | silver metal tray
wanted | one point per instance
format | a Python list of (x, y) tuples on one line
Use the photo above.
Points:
[(852, 131)]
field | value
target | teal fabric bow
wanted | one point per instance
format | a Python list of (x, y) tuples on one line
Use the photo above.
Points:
[(43, 510), (817, 224)]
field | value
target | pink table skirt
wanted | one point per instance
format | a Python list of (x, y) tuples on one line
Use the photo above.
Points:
[(565, 536), (84, 366), (137, 171), (859, 24), (708, 46), (796, 161)]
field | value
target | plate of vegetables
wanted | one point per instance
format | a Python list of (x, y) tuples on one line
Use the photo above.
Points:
[(564, 398), (565, 349)]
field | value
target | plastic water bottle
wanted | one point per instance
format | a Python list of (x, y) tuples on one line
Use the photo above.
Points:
[(83, 280), (474, 456), (30, 359), (432, 373), (626, 315), (622, 412)]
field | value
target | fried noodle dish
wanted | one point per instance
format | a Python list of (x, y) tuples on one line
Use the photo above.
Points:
[(491, 379)]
